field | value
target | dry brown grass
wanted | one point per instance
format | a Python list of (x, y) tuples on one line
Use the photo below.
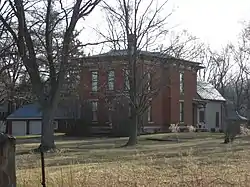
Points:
[(197, 160)]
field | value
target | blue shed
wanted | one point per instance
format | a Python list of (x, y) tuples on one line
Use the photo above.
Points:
[(28, 120)]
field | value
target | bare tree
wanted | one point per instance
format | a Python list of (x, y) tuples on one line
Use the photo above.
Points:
[(14, 16), (135, 27), (219, 67)]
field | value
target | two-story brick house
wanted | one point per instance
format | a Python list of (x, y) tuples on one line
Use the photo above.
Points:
[(104, 76)]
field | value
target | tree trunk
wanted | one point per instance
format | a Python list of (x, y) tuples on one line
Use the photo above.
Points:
[(133, 132), (47, 139)]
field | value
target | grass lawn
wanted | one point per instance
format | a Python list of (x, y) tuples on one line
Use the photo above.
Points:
[(198, 159)]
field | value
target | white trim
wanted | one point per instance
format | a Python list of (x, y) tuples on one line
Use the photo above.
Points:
[(93, 69), (55, 124), (152, 127), (92, 100)]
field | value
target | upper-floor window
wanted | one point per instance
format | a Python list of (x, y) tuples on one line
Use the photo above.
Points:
[(111, 80), (181, 82), (150, 113), (149, 81), (126, 80), (94, 81), (181, 111), (94, 110)]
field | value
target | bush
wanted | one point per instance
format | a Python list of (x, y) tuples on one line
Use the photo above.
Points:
[(79, 128), (191, 128), (244, 130), (212, 129), (121, 128), (174, 128)]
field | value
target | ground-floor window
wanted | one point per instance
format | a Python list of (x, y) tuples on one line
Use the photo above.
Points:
[(201, 116), (217, 119), (181, 111), (94, 110)]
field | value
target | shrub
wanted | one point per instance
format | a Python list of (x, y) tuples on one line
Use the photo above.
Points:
[(244, 130), (191, 128), (174, 128), (212, 129)]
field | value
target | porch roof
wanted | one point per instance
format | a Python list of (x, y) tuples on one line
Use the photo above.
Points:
[(208, 92), (198, 100)]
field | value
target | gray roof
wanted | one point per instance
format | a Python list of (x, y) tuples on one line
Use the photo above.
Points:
[(124, 52), (208, 92)]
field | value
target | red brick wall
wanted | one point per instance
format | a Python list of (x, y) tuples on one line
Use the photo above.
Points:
[(165, 107), (175, 95), (189, 94)]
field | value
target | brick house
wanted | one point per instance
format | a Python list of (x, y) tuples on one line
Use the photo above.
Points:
[(103, 76)]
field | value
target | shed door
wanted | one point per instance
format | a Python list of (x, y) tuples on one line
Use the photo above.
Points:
[(35, 127), (19, 128)]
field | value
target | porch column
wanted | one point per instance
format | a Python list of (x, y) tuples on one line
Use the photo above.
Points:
[(204, 108)]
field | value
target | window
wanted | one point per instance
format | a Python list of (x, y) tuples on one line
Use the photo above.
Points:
[(217, 119), (94, 110), (129, 111), (55, 124), (181, 82), (149, 79), (94, 81), (181, 111), (111, 80), (126, 80), (201, 116), (150, 113)]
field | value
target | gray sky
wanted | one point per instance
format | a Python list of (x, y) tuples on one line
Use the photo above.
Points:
[(215, 22)]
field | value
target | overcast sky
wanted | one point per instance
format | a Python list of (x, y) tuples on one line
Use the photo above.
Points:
[(216, 22)]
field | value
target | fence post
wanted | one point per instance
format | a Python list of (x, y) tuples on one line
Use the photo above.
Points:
[(7, 161), (43, 169)]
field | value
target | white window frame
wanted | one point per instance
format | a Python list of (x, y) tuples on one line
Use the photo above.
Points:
[(94, 81), (150, 113), (126, 80), (55, 125), (129, 111), (181, 82), (149, 81), (94, 105), (182, 111), (111, 80)]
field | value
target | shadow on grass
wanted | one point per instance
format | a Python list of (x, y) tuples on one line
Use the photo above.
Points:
[(157, 152)]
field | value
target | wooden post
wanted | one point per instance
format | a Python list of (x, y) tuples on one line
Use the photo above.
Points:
[(7, 161), (43, 169)]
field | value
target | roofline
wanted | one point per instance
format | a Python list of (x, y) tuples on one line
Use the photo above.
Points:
[(107, 56), (33, 118), (215, 100)]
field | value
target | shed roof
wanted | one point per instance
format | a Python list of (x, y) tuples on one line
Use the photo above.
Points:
[(32, 111), (208, 92)]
